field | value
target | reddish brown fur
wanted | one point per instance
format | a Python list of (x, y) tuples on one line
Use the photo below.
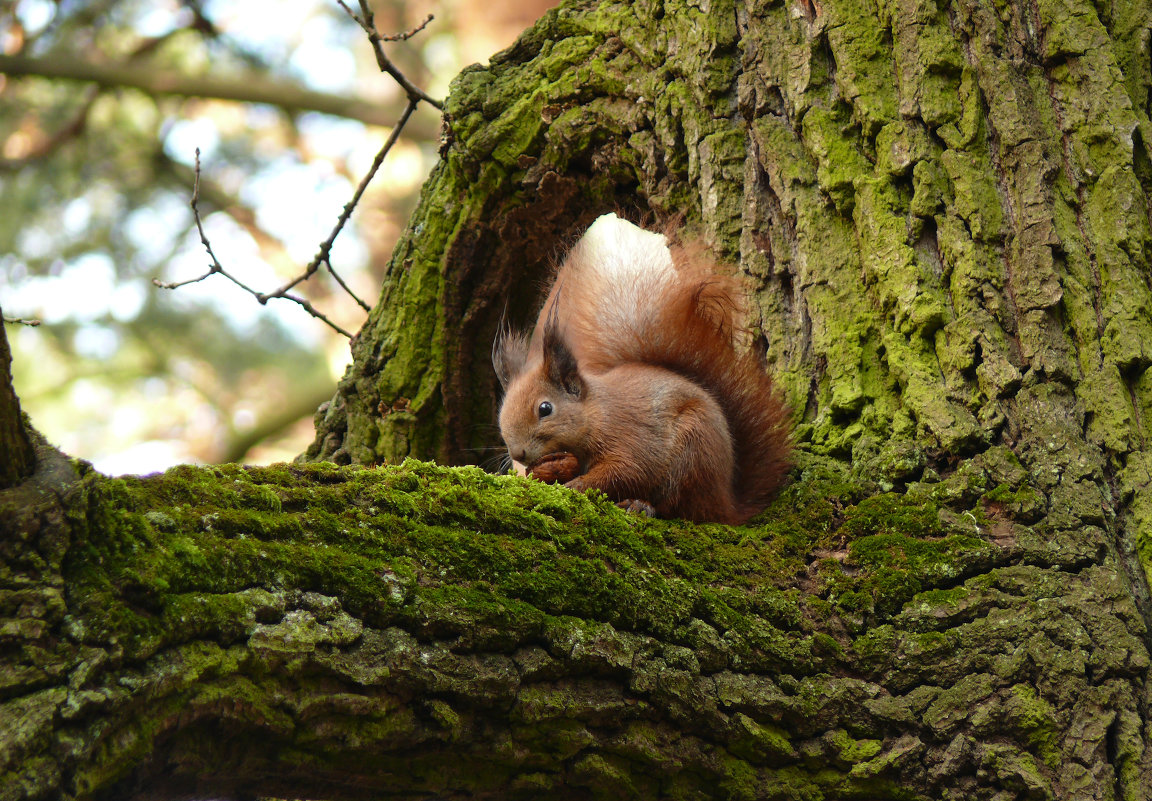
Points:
[(662, 406)]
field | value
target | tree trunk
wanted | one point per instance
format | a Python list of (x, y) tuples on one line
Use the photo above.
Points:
[(16, 457), (944, 215)]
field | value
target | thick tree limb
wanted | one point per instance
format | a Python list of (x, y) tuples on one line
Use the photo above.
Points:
[(943, 210), (414, 630), (252, 88)]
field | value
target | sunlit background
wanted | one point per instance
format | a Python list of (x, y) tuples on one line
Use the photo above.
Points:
[(95, 182)]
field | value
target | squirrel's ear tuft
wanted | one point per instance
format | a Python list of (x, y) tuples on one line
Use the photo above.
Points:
[(559, 361), (509, 352)]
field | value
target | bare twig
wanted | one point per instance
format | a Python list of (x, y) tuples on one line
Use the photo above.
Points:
[(404, 37), (215, 268), (22, 321), (322, 257), (272, 249), (365, 21)]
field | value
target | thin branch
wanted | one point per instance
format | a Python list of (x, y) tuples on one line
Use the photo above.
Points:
[(74, 127), (366, 21), (322, 257), (271, 248), (215, 268), (404, 37), (21, 321), (308, 307)]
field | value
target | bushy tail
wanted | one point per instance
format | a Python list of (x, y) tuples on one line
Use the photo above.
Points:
[(706, 308), (629, 297)]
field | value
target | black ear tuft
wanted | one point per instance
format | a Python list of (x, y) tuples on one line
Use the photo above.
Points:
[(559, 361), (509, 352)]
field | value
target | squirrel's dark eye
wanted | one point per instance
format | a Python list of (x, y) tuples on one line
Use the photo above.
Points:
[(545, 409)]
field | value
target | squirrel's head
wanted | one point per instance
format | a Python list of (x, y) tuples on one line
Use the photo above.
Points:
[(544, 408)]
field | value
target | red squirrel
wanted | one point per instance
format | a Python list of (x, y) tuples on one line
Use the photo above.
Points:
[(632, 382)]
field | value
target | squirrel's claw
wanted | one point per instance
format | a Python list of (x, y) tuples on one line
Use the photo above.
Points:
[(638, 507)]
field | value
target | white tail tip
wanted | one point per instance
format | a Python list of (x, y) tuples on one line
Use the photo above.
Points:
[(620, 249)]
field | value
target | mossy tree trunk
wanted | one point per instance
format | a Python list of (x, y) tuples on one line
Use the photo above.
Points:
[(18, 459), (943, 213)]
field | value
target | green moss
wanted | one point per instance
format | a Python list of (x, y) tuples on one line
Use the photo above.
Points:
[(1024, 503), (759, 743), (491, 559), (974, 195), (936, 599), (876, 645), (533, 785), (23, 722), (851, 750), (929, 187), (828, 136), (491, 562), (1017, 770), (1069, 31), (900, 146), (900, 544), (890, 513), (1136, 478), (1036, 718), (955, 706), (908, 290), (863, 56), (739, 779)]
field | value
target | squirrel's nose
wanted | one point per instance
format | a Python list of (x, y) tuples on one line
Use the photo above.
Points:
[(519, 456)]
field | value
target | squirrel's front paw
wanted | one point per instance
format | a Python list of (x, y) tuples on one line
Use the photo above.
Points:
[(637, 506), (555, 468)]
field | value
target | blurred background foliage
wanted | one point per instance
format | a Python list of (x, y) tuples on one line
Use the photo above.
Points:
[(103, 104)]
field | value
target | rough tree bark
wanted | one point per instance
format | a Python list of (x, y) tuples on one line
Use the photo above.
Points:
[(943, 210), (18, 457)]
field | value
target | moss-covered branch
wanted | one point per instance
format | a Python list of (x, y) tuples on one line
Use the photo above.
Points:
[(330, 632)]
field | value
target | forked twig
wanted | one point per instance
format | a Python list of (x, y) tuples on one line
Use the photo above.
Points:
[(404, 37), (215, 268), (323, 255), (326, 246), (367, 23)]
